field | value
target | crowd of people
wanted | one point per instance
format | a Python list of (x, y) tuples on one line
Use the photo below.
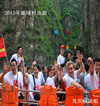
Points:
[(62, 74)]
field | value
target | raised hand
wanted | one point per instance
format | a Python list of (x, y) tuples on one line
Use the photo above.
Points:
[(90, 61), (60, 69), (79, 57), (55, 65), (5, 67), (22, 58)]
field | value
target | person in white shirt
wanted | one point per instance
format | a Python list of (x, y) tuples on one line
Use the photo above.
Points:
[(93, 76), (52, 76), (32, 78), (33, 64), (60, 58), (5, 69), (67, 56), (44, 71), (60, 61), (17, 55), (28, 70), (13, 77), (71, 78), (40, 74), (86, 78)]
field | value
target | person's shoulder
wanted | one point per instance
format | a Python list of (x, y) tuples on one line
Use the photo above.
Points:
[(95, 75), (37, 80), (30, 76), (66, 74), (59, 55), (40, 74), (87, 76), (49, 78), (8, 74), (14, 55), (75, 72), (69, 78), (20, 73), (49, 81)]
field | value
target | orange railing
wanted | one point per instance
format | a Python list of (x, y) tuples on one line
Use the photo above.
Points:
[(74, 97)]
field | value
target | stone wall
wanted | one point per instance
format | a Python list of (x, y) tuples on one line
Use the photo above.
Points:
[(91, 25)]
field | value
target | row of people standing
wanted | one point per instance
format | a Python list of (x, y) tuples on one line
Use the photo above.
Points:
[(68, 74), (88, 76), (16, 78)]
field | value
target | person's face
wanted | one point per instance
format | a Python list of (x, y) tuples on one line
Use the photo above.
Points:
[(34, 62), (69, 55), (97, 66), (35, 71), (25, 68), (13, 66), (51, 73), (62, 51), (29, 71), (70, 70), (19, 51), (45, 70)]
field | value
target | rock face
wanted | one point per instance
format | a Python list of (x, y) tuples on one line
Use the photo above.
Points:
[(90, 28), (31, 24), (72, 11)]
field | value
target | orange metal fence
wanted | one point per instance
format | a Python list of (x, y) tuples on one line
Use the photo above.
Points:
[(48, 97)]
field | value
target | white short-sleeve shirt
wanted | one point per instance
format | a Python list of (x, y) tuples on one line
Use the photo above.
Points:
[(69, 79), (40, 76), (50, 81), (60, 59), (31, 86), (92, 81), (16, 80), (16, 58), (87, 81)]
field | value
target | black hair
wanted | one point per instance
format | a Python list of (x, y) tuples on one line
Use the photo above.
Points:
[(14, 60), (28, 68), (79, 48), (66, 53), (49, 69), (25, 64), (36, 65), (86, 67), (43, 67), (18, 47), (97, 59)]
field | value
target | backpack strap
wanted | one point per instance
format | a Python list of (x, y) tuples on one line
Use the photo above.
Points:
[(16, 79), (33, 81)]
